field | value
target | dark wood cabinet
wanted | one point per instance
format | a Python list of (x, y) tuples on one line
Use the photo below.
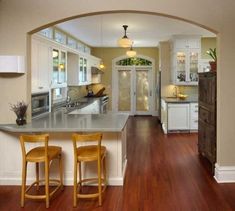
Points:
[(207, 116)]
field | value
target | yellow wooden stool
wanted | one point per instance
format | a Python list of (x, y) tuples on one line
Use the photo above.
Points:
[(89, 153), (37, 155)]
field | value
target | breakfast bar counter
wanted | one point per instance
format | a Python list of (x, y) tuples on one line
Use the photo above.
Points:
[(60, 126), (60, 121)]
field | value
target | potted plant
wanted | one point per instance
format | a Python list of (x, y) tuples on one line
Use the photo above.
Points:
[(20, 110), (212, 53)]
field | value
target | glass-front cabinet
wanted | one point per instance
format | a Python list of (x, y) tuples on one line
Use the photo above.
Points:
[(181, 66), (193, 65), (84, 76), (185, 61), (59, 75)]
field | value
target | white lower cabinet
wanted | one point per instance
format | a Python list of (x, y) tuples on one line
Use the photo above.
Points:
[(193, 116), (178, 116)]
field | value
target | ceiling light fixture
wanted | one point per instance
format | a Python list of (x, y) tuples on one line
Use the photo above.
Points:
[(125, 42), (131, 52)]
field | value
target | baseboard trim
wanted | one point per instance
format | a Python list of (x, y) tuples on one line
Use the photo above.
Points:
[(224, 174)]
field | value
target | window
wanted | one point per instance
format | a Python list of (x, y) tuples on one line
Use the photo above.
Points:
[(134, 61), (60, 37), (48, 32), (72, 43), (80, 46)]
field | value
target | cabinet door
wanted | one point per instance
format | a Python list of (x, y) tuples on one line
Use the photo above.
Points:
[(207, 89), (56, 62), (207, 141), (84, 70), (180, 66), (62, 78), (193, 62), (193, 116), (41, 66), (178, 116)]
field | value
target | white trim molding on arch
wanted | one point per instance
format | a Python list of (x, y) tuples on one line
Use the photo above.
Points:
[(133, 69)]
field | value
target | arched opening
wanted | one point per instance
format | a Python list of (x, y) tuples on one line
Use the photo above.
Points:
[(123, 68)]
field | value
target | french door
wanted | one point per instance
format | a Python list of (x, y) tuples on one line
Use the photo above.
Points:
[(132, 90)]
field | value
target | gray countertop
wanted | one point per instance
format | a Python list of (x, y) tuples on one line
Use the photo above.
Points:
[(59, 121), (177, 100)]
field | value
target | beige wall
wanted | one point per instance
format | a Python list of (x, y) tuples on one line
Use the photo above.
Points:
[(206, 44), (19, 17), (108, 54)]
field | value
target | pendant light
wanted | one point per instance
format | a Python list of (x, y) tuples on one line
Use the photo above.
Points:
[(125, 42), (101, 66), (131, 52)]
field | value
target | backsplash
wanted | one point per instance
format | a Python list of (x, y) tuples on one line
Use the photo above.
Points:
[(76, 92), (188, 90), (170, 90)]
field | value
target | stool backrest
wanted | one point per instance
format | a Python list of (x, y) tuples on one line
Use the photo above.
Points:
[(44, 138), (95, 137)]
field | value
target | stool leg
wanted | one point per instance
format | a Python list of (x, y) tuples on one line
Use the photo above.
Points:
[(61, 171), (99, 182), (104, 171), (80, 172), (47, 183), (75, 184), (24, 173), (37, 175)]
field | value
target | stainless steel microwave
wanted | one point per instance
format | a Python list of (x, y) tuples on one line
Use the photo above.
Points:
[(40, 103)]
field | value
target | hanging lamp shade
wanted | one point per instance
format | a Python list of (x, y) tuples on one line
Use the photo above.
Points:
[(131, 52), (125, 42)]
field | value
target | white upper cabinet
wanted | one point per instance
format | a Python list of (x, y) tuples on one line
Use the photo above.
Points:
[(185, 57), (41, 65), (73, 69), (84, 71), (79, 69), (59, 72)]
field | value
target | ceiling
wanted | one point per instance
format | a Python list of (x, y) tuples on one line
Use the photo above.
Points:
[(144, 29)]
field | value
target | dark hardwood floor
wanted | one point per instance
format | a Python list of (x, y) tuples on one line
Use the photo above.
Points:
[(164, 173)]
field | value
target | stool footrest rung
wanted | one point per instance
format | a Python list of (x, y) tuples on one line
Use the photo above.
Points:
[(51, 182)]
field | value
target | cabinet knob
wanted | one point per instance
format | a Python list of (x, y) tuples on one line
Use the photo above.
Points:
[(40, 87)]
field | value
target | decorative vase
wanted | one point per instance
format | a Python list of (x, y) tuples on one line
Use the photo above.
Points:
[(213, 66), (20, 120)]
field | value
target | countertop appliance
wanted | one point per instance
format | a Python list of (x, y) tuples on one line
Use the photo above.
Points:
[(40, 103)]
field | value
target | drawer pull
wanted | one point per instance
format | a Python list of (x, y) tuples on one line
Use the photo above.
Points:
[(40, 87), (195, 120), (196, 111)]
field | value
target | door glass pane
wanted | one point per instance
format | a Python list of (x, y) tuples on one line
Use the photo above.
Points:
[(180, 66), (124, 89), (142, 90), (55, 55), (62, 74), (193, 66)]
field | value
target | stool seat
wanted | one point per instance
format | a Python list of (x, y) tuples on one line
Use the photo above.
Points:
[(90, 153), (38, 153)]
